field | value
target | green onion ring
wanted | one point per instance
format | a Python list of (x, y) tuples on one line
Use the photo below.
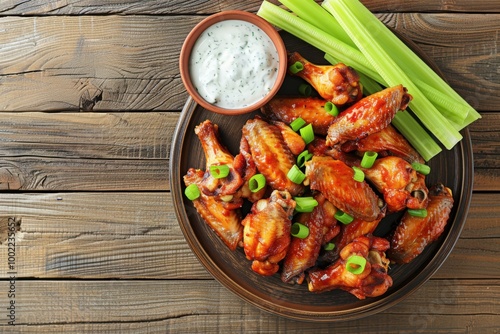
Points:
[(299, 230), (368, 159), (305, 204), (297, 124), (307, 133), (192, 192), (355, 264), (296, 67), (331, 109), (422, 213), (343, 217), (295, 175), (359, 175), (256, 183), (219, 171), (421, 168)]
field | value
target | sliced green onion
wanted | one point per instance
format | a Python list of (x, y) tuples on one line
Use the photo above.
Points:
[(422, 213), (299, 230), (359, 175), (368, 159), (307, 133), (343, 217), (295, 175), (296, 67), (297, 124), (329, 246), (305, 204), (256, 183), (219, 171), (355, 264), (331, 109), (303, 157), (421, 168), (192, 192), (305, 89)]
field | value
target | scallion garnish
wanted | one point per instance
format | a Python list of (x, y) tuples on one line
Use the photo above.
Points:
[(296, 67), (303, 157), (192, 192), (299, 230), (343, 217), (359, 175), (329, 246), (369, 158), (295, 175), (422, 213), (355, 264), (305, 204), (297, 124), (331, 109), (256, 183), (219, 171), (421, 168), (305, 89), (307, 133)]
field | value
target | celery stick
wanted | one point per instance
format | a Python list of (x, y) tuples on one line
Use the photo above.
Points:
[(444, 98), (311, 12), (436, 123), (416, 135), (316, 37), (415, 66)]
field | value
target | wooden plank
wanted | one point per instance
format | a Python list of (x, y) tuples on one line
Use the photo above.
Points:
[(131, 62), (91, 7), (136, 235), (173, 306), (130, 151)]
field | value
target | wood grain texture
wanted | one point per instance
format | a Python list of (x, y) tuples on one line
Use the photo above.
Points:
[(136, 235), (173, 307), (92, 7), (131, 62), (130, 151)]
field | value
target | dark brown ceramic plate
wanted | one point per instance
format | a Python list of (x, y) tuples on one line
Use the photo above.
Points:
[(454, 168)]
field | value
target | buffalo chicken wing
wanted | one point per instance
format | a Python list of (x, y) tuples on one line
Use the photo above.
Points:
[(266, 232), (373, 281)]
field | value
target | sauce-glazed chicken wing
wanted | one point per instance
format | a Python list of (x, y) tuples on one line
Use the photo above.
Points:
[(223, 217), (338, 84), (310, 109), (266, 233), (372, 282), (369, 115), (385, 142), (272, 156), (217, 154), (413, 234), (398, 182), (303, 253), (334, 179)]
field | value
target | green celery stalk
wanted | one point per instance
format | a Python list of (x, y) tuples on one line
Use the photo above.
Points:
[(313, 13), (316, 37), (376, 54), (431, 84), (416, 135), (444, 98)]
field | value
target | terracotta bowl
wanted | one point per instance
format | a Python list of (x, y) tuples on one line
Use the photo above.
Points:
[(193, 36)]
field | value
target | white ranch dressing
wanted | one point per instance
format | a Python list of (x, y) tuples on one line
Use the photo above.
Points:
[(233, 64)]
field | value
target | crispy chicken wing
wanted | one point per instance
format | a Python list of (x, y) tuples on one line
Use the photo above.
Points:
[(223, 217), (292, 139), (336, 83), (272, 156), (385, 142), (372, 282), (367, 116), (413, 234), (303, 253), (334, 179), (266, 234), (217, 154), (310, 109), (250, 171), (398, 182)]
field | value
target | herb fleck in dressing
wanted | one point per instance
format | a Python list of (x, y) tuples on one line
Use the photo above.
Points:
[(233, 64)]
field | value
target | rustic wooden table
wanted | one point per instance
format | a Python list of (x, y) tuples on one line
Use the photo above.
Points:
[(90, 95)]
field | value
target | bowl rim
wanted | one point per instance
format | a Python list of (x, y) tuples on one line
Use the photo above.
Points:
[(192, 37)]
